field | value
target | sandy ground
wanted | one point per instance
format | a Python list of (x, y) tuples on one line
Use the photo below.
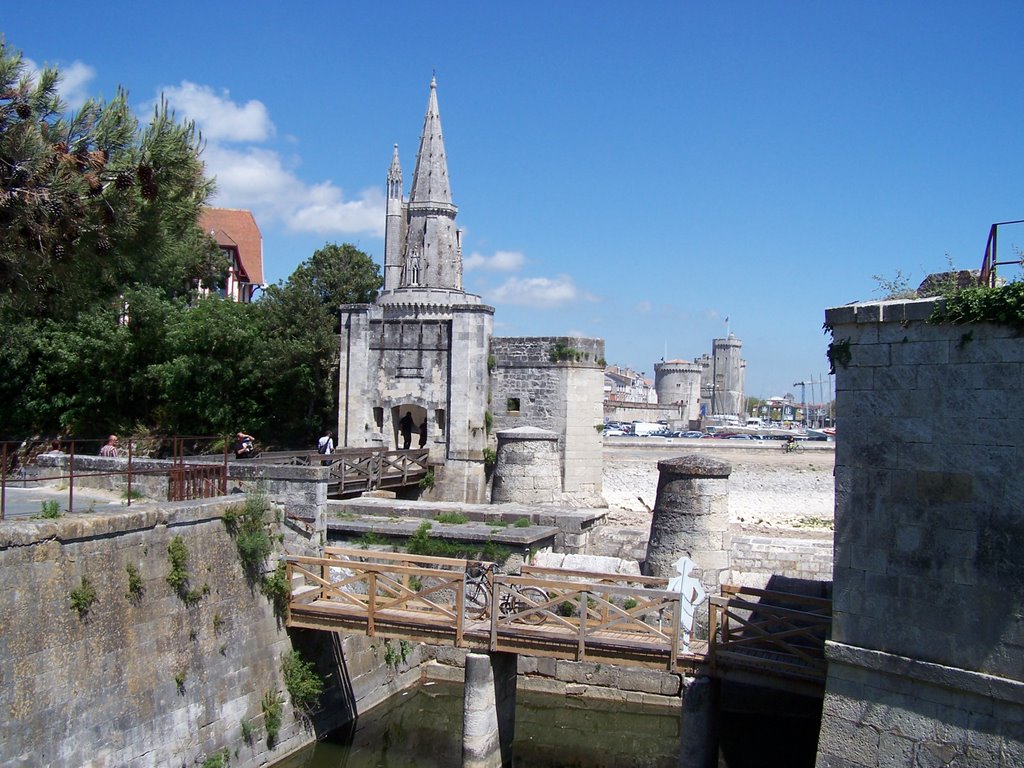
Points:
[(770, 491)]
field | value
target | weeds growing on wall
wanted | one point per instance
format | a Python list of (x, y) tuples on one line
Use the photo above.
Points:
[(247, 524), (273, 708), (82, 597), (248, 731), (135, 585), (219, 759), (178, 576), (421, 543), (274, 587), (451, 518), (393, 656), (427, 481), (490, 458), (303, 682), (49, 510), (1002, 305)]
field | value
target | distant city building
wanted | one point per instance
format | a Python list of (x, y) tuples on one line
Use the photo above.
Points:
[(239, 238), (624, 385)]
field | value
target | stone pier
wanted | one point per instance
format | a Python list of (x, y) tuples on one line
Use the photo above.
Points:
[(489, 710), (691, 519)]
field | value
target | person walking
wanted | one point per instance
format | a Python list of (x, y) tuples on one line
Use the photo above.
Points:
[(110, 449), (405, 425), (326, 443)]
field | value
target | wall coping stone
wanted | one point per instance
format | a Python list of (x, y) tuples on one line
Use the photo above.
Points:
[(79, 527), (889, 311), (953, 678)]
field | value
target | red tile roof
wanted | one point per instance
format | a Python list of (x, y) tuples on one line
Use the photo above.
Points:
[(233, 227)]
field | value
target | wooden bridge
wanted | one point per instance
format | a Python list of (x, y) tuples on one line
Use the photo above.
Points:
[(354, 470), (771, 638)]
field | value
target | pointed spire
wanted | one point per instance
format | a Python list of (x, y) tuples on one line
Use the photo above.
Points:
[(430, 179), (395, 176)]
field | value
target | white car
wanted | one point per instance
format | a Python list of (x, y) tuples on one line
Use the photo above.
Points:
[(612, 432)]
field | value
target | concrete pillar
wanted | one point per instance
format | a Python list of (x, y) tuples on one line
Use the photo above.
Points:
[(529, 469), (698, 732), (691, 519), (489, 710)]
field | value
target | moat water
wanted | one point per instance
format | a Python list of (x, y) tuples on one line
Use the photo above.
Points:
[(423, 729)]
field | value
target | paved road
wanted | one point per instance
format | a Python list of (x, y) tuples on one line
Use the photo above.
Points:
[(25, 502)]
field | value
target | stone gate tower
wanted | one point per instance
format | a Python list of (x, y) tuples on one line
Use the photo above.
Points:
[(418, 356)]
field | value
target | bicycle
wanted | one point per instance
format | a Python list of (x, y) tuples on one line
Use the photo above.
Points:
[(513, 601), (792, 447)]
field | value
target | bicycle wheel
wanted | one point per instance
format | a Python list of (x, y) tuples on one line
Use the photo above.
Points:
[(477, 601), (533, 596)]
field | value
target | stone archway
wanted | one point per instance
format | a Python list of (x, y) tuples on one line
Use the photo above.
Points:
[(415, 425)]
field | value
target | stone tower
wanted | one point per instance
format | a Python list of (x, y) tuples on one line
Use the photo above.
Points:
[(421, 349), (677, 382), (722, 377)]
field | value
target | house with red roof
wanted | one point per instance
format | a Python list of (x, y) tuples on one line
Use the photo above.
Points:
[(239, 238)]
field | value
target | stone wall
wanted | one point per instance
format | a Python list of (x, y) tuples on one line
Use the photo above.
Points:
[(529, 389), (926, 661), (143, 679), (754, 560)]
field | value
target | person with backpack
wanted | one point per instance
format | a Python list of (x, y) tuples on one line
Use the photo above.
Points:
[(326, 443)]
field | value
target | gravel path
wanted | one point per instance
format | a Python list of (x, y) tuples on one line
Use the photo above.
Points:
[(769, 490)]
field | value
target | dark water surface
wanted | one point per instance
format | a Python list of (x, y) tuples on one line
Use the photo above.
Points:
[(422, 728)]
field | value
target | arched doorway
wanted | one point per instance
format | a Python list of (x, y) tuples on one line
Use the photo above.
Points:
[(409, 422)]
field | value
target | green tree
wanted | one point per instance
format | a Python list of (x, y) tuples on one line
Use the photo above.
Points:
[(300, 354), (91, 203)]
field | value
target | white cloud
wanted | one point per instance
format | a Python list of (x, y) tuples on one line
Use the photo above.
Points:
[(255, 178), (217, 116), (643, 307), (501, 261), (73, 81), (539, 292)]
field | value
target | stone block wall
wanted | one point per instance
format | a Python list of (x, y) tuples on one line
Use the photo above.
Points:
[(926, 662), (563, 396), (144, 679), (754, 560)]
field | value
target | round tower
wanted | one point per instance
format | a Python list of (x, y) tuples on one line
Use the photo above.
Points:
[(677, 382)]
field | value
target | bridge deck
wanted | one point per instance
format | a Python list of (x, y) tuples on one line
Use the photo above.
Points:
[(777, 638)]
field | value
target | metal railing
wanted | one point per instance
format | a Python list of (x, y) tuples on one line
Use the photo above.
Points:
[(991, 260), (62, 467)]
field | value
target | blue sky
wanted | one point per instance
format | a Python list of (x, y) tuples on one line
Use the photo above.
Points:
[(638, 173)]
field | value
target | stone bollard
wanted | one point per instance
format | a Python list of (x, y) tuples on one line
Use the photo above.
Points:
[(691, 519), (529, 469), (489, 710)]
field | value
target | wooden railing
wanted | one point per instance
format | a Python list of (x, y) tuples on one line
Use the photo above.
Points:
[(359, 469), (424, 598), (763, 630)]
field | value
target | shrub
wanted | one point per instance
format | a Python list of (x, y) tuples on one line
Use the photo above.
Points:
[(629, 603), (82, 597), (49, 510), (273, 706), (218, 759), (566, 608), (275, 588), (427, 481), (178, 576), (490, 458), (303, 682), (523, 522), (135, 585), (247, 523)]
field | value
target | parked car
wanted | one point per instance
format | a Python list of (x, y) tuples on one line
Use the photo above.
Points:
[(693, 435), (612, 432), (741, 437)]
